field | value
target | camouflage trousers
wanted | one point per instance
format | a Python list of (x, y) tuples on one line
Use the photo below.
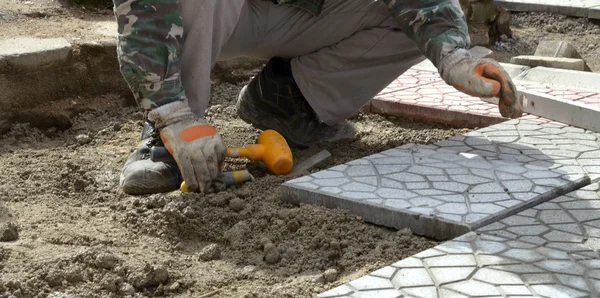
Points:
[(340, 60)]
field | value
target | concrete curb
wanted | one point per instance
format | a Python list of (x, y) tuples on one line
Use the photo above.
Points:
[(583, 9), (36, 73), (562, 78)]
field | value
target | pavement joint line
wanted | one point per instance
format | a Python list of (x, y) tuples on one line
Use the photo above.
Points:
[(550, 250)]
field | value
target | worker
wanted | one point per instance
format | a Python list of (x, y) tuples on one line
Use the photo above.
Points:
[(326, 60)]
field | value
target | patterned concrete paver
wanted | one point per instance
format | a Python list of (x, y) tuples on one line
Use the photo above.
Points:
[(436, 192), (550, 250), (457, 185), (423, 95), (550, 144), (579, 8)]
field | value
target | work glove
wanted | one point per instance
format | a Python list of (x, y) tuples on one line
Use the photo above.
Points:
[(194, 144), (485, 78)]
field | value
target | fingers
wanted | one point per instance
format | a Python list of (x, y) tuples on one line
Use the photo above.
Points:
[(203, 175), (509, 105), (504, 88), (494, 76), (189, 175), (212, 162)]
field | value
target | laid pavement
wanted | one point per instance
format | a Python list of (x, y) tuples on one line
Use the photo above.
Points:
[(421, 94), (550, 250), (498, 189)]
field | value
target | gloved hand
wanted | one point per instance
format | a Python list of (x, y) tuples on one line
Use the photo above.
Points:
[(196, 146), (485, 78)]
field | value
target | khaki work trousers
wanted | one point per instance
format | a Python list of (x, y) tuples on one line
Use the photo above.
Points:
[(340, 59)]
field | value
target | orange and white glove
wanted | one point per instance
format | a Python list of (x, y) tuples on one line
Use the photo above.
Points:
[(194, 144), (484, 78)]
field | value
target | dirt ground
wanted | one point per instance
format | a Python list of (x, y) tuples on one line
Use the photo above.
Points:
[(79, 234), (66, 230), (531, 28)]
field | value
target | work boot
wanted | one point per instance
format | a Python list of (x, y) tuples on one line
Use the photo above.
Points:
[(273, 100), (141, 175)]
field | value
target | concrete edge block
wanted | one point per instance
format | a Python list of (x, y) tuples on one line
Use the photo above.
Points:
[(562, 78), (543, 7), (419, 224), (31, 53), (514, 70), (594, 12), (554, 62)]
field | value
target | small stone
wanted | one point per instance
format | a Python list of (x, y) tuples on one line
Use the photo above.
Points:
[(504, 38), (249, 269), (179, 246), (83, 139), (8, 232), (110, 285), (117, 126), (106, 261), (236, 204), (175, 286), (405, 232), (330, 275), (126, 289), (272, 255), (79, 185), (293, 225), (54, 278), (319, 279), (210, 252)]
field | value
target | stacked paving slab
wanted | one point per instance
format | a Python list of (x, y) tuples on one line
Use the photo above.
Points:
[(519, 198)]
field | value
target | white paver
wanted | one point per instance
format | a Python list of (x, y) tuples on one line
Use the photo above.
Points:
[(454, 186), (550, 250), (563, 78)]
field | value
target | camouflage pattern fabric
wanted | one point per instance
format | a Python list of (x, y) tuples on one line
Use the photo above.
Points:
[(150, 46), (150, 39), (437, 27)]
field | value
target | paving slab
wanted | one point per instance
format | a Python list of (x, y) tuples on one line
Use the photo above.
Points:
[(550, 250), (546, 144), (436, 192), (437, 102), (426, 187), (421, 94)]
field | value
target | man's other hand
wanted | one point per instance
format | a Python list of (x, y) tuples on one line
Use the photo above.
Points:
[(486, 78)]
